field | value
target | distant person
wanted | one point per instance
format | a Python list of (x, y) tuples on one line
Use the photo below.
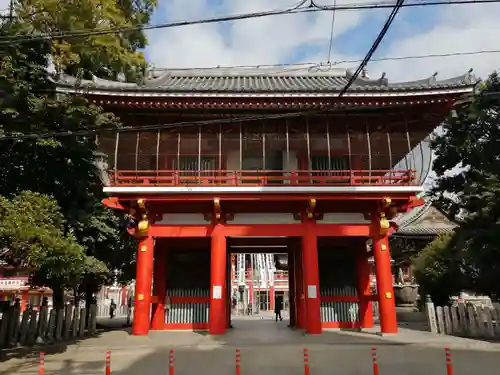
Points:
[(234, 302), (278, 306), (112, 308), (130, 304)]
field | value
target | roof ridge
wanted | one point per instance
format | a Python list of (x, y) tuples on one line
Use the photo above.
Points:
[(283, 82)]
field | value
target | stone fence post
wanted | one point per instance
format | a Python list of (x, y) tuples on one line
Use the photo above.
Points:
[(430, 313)]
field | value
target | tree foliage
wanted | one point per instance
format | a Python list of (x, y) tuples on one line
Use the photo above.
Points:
[(106, 55), (32, 235), (468, 163), (62, 167), (438, 271)]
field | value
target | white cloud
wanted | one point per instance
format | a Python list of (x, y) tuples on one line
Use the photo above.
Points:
[(458, 28), (4, 7), (264, 40), (278, 39)]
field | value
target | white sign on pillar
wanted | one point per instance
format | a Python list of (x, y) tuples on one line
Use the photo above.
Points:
[(217, 292), (311, 291)]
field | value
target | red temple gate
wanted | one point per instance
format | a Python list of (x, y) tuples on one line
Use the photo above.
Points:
[(203, 154)]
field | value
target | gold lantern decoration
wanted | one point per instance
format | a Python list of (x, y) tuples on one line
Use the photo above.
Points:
[(141, 203), (143, 226), (384, 225), (386, 202)]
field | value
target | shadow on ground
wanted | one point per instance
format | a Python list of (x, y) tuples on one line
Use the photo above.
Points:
[(32, 353), (281, 360)]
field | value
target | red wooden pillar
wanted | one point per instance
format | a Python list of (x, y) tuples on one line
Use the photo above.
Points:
[(299, 290), (229, 288), (292, 288), (364, 292), (160, 289), (24, 300), (217, 316), (383, 271), (143, 282), (249, 272), (311, 277), (123, 296)]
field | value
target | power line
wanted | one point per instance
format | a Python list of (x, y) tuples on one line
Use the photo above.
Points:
[(82, 133), (310, 64), (233, 120), (311, 8), (431, 55), (332, 28), (374, 46)]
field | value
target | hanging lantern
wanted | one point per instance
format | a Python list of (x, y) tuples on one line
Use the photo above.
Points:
[(101, 164)]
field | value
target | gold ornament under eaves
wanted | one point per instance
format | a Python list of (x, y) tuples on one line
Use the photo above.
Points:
[(384, 225), (142, 228)]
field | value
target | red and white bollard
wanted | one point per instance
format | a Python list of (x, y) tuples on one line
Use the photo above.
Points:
[(41, 368), (449, 365), (374, 361), (108, 363), (307, 371), (171, 369), (238, 361)]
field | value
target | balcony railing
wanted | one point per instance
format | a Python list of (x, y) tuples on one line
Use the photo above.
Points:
[(261, 177)]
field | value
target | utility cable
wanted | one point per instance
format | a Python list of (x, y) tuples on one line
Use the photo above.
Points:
[(374, 47), (233, 120), (143, 128), (312, 8), (332, 28), (312, 65)]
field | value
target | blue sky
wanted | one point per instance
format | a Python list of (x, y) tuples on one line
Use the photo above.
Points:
[(305, 37)]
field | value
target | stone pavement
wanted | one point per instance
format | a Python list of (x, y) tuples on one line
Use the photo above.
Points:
[(267, 347)]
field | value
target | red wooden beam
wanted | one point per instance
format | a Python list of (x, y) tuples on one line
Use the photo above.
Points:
[(259, 230)]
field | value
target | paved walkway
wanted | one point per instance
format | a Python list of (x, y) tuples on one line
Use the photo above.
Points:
[(267, 347)]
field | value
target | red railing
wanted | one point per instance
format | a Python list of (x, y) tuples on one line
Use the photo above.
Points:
[(261, 178), (278, 276)]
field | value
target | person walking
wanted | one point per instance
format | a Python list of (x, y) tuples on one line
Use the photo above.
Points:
[(278, 306)]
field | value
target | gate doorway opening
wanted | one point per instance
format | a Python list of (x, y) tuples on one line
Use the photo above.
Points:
[(258, 284), (256, 271)]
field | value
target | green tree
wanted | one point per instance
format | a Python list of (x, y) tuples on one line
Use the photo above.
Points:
[(60, 167), (32, 235), (106, 55), (468, 163), (438, 269)]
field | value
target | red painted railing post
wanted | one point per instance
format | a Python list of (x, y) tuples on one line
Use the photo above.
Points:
[(374, 361), (171, 369), (41, 368), (238, 361), (307, 371), (108, 363), (449, 365)]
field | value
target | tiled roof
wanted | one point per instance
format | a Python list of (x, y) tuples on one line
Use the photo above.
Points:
[(266, 81), (426, 230), (420, 222)]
